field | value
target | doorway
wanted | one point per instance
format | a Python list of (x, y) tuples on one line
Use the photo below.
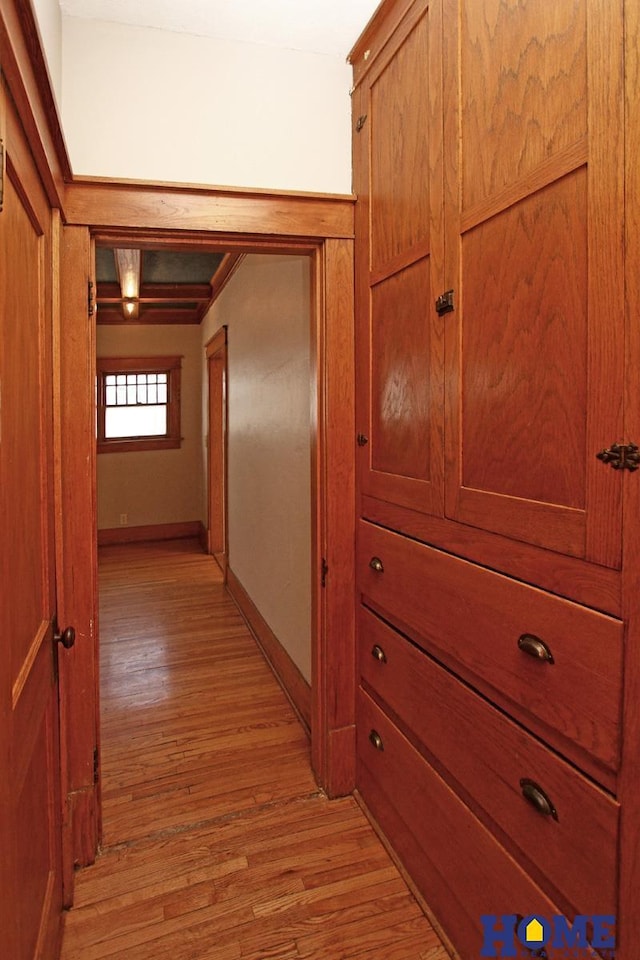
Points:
[(132, 219)]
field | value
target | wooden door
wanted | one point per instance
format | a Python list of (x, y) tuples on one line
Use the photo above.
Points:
[(398, 162), (534, 159), (217, 446), (30, 871)]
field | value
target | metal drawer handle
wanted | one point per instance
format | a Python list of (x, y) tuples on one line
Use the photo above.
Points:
[(376, 740), (535, 647), (536, 796), (378, 654), (376, 564)]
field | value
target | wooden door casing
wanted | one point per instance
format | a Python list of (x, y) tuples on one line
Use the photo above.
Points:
[(534, 166), (29, 692), (399, 170), (217, 447)]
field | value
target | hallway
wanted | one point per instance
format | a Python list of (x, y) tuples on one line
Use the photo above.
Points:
[(216, 842)]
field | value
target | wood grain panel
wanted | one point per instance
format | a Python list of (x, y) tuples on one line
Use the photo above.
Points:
[(487, 755), (420, 815), (595, 586), (163, 207), (31, 876), (77, 584), (524, 348), (523, 77), (553, 416), (629, 903), (400, 439), (471, 619), (399, 171)]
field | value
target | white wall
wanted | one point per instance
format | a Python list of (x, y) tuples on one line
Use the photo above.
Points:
[(267, 307), (155, 486), (49, 21), (144, 103)]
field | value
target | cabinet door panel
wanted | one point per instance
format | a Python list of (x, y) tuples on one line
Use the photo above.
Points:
[(400, 257), (534, 217)]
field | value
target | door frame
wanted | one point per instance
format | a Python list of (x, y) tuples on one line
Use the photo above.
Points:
[(217, 529), (322, 229)]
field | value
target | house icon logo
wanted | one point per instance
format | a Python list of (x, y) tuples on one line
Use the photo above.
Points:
[(504, 935), (534, 933)]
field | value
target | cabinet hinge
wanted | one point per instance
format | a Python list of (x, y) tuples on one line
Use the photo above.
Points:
[(360, 122), (621, 456), (444, 303), (324, 572), (96, 766), (90, 299), (2, 169)]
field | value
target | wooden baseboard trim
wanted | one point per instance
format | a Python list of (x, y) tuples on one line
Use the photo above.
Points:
[(285, 671), (154, 531)]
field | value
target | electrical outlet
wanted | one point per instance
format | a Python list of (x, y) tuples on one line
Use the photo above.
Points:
[(124, 520)]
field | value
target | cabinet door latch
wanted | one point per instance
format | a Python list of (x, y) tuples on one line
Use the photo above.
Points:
[(621, 456), (444, 303)]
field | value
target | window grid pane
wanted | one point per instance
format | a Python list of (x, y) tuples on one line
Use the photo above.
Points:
[(136, 405)]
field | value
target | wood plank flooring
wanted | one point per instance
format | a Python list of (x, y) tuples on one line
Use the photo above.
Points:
[(218, 844)]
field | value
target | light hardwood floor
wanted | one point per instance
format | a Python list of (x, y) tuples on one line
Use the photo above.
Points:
[(217, 843)]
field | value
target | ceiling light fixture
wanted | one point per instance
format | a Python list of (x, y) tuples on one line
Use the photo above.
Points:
[(128, 266)]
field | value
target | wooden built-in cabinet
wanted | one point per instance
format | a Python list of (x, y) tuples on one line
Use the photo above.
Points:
[(489, 169)]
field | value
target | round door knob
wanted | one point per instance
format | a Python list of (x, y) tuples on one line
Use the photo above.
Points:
[(66, 637), (376, 564), (376, 740)]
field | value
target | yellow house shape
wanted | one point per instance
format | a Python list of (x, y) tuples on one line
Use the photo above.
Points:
[(534, 931)]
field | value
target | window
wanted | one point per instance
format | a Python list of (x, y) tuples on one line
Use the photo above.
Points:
[(138, 403)]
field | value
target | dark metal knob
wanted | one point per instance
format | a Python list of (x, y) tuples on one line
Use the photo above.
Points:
[(362, 440), (376, 564), (535, 647), (376, 740), (66, 637), (535, 795), (378, 654)]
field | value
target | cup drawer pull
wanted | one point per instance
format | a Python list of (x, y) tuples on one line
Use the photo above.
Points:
[(535, 647), (376, 564), (378, 654), (535, 795), (376, 740)]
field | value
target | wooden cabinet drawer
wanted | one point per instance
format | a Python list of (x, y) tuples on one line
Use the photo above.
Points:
[(472, 619), (488, 756), (456, 863)]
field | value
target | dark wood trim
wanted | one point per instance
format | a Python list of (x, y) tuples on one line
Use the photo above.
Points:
[(150, 532), (333, 473), (223, 274), (629, 845), (122, 204), (76, 550), (217, 447), (216, 342), (285, 671), (25, 71), (172, 366)]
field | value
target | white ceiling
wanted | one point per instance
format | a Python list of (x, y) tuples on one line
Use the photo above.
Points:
[(319, 26)]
